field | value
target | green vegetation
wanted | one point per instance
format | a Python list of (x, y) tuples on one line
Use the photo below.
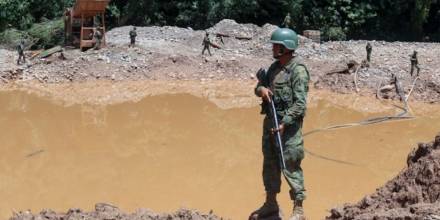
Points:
[(36, 21), (11, 37), (39, 35), (337, 19), (48, 33)]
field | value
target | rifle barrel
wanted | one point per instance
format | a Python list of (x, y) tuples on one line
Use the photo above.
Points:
[(278, 135)]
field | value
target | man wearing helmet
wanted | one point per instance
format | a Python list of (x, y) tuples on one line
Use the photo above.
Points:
[(286, 84)]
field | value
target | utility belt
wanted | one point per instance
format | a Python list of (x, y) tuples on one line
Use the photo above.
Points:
[(280, 106)]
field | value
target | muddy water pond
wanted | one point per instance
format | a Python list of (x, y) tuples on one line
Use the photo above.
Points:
[(171, 151)]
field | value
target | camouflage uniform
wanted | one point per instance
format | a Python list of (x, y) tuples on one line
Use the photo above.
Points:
[(369, 48), (133, 35), (290, 87), (20, 50), (98, 38), (287, 21), (414, 63), (206, 44)]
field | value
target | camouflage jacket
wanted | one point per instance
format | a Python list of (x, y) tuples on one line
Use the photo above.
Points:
[(133, 34), (20, 48), (97, 35), (369, 48), (289, 85), (414, 60), (206, 41)]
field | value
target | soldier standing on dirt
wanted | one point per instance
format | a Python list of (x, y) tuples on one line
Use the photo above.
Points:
[(369, 48), (285, 84), (206, 44), (414, 63), (97, 36), (287, 23), (133, 35), (20, 50)]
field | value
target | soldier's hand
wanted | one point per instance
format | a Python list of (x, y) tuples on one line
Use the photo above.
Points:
[(280, 129), (266, 94)]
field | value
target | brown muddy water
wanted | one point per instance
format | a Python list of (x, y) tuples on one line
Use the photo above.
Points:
[(171, 151)]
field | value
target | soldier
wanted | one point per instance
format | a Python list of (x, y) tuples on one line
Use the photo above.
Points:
[(20, 50), (287, 23), (97, 36), (369, 48), (206, 44), (286, 84), (133, 35), (414, 63)]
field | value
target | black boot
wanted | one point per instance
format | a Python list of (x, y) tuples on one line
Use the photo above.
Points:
[(269, 208)]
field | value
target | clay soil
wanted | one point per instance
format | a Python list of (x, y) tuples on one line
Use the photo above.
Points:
[(413, 194)]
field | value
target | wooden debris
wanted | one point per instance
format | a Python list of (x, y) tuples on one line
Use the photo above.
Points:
[(243, 38), (215, 45), (35, 153), (35, 54), (222, 35), (51, 51), (338, 71), (345, 70)]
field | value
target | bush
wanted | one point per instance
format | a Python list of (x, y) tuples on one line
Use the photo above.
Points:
[(48, 34), (335, 33), (10, 38)]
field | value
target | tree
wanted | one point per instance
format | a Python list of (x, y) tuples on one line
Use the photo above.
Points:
[(419, 15)]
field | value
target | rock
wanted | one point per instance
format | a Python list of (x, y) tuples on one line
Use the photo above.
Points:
[(335, 213), (437, 141)]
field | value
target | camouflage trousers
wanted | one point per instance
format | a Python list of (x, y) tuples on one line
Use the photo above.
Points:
[(97, 44), (20, 57), (415, 66), (293, 145), (206, 47)]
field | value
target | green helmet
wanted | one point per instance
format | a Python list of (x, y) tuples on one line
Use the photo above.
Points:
[(286, 37)]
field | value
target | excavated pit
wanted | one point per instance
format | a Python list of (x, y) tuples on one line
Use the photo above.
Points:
[(140, 145)]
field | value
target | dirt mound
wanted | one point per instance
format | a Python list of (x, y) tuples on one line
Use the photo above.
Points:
[(388, 59), (413, 194), (105, 211), (173, 53)]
